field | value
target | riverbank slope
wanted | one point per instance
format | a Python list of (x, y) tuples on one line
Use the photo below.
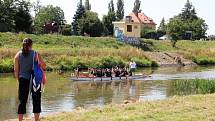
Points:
[(67, 52)]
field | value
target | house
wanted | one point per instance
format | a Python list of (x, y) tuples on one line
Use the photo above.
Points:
[(127, 28), (132, 25), (143, 20), (50, 27)]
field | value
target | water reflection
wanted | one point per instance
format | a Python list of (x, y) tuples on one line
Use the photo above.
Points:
[(62, 94)]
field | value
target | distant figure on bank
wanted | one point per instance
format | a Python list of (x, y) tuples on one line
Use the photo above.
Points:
[(177, 59), (132, 66), (23, 70)]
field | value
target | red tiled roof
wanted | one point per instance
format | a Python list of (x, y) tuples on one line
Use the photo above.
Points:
[(141, 18)]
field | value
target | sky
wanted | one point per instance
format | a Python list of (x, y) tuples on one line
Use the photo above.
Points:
[(155, 9)]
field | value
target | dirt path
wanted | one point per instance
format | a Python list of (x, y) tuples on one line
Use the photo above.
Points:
[(169, 59)]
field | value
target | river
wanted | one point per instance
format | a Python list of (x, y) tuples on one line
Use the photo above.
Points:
[(63, 95)]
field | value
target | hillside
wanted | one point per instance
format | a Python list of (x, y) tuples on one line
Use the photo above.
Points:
[(66, 52)]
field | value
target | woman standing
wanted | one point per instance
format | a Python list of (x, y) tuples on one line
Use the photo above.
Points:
[(23, 66)]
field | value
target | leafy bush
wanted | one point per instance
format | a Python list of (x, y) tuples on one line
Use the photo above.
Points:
[(204, 60), (6, 65), (142, 62)]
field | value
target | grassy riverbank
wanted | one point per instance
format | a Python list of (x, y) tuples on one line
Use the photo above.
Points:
[(200, 52), (66, 52), (189, 108)]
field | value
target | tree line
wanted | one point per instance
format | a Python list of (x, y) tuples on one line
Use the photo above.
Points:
[(15, 17), (184, 26)]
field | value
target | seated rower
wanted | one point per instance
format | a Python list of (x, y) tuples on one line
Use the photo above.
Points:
[(108, 73)]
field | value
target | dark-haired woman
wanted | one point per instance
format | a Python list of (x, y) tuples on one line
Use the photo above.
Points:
[(23, 65)]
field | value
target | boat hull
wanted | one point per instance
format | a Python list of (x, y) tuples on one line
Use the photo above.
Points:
[(106, 78)]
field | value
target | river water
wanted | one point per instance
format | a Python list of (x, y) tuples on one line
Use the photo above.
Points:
[(63, 95)]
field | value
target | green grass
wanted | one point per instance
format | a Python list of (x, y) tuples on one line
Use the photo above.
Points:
[(66, 52), (190, 108), (196, 86)]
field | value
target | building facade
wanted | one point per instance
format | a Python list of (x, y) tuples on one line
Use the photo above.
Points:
[(132, 25)]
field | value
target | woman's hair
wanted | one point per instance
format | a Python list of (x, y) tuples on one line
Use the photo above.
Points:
[(26, 45)]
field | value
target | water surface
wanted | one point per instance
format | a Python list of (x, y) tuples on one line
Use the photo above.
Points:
[(62, 94)]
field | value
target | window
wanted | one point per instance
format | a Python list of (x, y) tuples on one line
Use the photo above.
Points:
[(129, 28)]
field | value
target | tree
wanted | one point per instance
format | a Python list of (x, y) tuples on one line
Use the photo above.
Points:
[(136, 8), (187, 25), (198, 28), (108, 19), (175, 29), (37, 6), (80, 12), (87, 5), (48, 14), (107, 22), (23, 20), (120, 10), (7, 12), (148, 33), (111, 6), (188, 12), (162, 28), (91, 24), (66, 29)]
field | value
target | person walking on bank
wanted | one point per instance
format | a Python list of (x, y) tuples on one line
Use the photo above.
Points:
[(23, 69)]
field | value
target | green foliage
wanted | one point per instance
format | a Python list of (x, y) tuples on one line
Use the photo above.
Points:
[(6, 65), (91, 24), (87, 5), (66, 29), (107, 22), (175, 29), (120, 10), (47, 14), (187, 21), (196, 86), (148, 33), (108, 19), (7, 12), (142, 62), (198, 28), (14, 14), (109, 62), (188, 12), (136, 8), (23, 18), (66, 52), (70, 63), (204, 60), (80, 13), (111, 6), (162, 28)]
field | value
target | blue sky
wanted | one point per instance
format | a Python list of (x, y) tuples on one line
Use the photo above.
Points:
[(156, 9)]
